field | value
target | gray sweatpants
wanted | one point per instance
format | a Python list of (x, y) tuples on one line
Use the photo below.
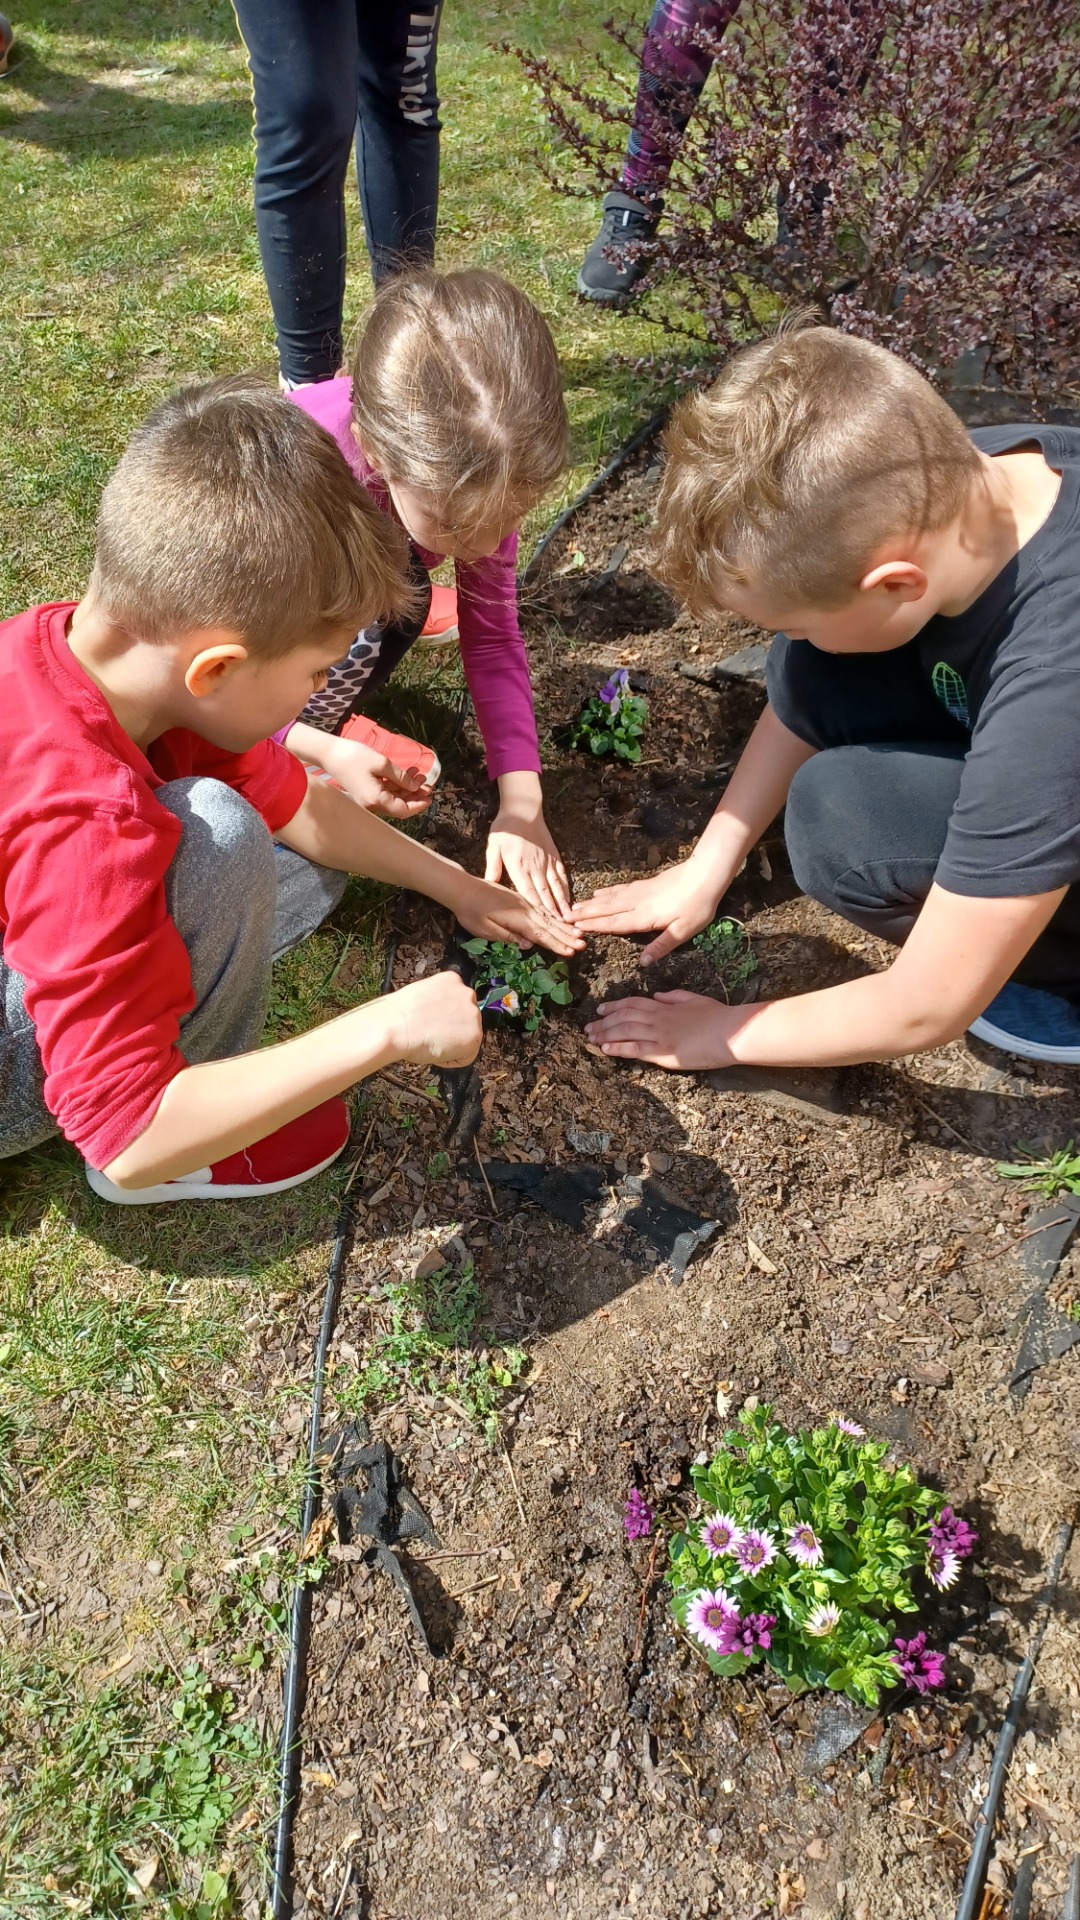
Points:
[(238, 902)]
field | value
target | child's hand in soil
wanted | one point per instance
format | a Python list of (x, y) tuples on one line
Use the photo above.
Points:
[(521, 846), (435, 1022), (494, 913), (681, 1031), (682, 900)]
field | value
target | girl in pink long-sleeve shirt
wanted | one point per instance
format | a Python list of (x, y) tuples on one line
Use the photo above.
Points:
[(455, 422)]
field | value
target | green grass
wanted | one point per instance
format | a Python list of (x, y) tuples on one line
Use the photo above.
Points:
[(428, 1342), (133, 1412), (1050, 1174)]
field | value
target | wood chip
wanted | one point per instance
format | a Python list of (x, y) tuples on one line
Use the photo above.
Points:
[(759, 1258)]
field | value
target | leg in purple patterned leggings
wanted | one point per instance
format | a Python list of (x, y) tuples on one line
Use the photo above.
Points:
[(673, 71)]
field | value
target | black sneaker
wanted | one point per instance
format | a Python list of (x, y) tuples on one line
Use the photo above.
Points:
[(621, 253)]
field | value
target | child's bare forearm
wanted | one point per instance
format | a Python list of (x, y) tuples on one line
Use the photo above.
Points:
[(333, 830), (216, 1109), (754, 796)]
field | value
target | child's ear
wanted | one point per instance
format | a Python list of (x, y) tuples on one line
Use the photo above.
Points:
[(208, 670), (904, 579)]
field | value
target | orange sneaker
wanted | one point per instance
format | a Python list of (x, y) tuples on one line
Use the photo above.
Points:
[(441, 625), (395, 747)]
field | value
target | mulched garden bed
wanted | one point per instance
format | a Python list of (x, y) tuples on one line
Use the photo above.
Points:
[(570, 1754)]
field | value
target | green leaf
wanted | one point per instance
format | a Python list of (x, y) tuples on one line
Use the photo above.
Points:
[(476, 947), (561, 994)]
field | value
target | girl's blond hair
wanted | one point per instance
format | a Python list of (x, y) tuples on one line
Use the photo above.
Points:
[(457, 392)]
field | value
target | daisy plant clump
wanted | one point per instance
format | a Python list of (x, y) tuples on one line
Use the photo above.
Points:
[(804, 1556), (613, 720), (517, 984)]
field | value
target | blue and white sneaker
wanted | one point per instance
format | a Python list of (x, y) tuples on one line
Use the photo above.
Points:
[(1033, 1024)]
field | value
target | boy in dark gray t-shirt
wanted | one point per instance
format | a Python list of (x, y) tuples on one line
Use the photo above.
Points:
[(923, 724)]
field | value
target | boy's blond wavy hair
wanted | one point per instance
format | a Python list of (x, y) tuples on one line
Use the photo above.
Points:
[(231, 507), (810, 453), (457, 392)]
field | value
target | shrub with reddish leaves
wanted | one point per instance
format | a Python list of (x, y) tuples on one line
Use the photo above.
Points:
[(909, 167)]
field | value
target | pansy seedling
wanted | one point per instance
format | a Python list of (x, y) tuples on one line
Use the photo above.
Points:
[(613, 720), (517, 984)]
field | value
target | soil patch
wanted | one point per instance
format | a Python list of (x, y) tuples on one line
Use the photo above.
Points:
[(570, 1754)]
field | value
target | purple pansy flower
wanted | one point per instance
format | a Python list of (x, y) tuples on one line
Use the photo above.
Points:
[(921, 1666), (614, 688), (501, 998), (804, 1546), (708, 1615), (755, 1551), (720, 1534), (638, 1517), (950, 1533)]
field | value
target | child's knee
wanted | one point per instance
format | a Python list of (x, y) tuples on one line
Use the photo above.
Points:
[(818, 819), (223, 840)]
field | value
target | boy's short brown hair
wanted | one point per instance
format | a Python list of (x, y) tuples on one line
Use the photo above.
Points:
[(231, 507), (457, 392), (811, 451)]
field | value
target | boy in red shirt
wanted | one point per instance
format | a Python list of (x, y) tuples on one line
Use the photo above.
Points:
[(158, 850)]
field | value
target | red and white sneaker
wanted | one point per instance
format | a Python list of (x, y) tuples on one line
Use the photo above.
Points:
[(441, 625), (407, 754), (287, 1158)]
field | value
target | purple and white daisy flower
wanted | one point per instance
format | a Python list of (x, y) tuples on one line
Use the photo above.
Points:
[(708, 1617), (921, 1666), (943, 1567), (822, 1620), (755, 1551), (720, 1534), (804, 1546), (850, 1427)]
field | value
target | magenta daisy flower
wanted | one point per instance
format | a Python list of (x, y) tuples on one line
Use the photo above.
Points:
[(804, 1546), (638, 1517), (943, 1566), (851, 1428), (921, 1666), (822, 1621), (707, 1618), (950, 1533), (720, 1534), (755, 1551), (748, 1635)]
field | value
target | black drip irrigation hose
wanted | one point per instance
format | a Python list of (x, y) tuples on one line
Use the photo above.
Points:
[(294, 1687), (971, 1891), (641, 438)]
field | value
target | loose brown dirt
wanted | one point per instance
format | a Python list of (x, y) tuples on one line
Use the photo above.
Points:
[(570, 1755)]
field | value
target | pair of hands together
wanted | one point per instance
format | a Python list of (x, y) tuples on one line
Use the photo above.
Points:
[(442, 1021)]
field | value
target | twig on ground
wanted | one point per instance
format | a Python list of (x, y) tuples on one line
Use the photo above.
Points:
[(483, 1176), (513, 1482), (639, 1635)]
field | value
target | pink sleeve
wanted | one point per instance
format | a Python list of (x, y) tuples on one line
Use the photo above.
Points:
[(329, 402), (495, 662)]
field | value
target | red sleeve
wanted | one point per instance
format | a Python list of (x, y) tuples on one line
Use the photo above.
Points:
[(496, 663), (107, 976), (270, 778)]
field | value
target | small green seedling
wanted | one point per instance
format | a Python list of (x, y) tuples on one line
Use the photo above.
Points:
[(613, 720), (1055, 1173), (517, 984), (727, 944)]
